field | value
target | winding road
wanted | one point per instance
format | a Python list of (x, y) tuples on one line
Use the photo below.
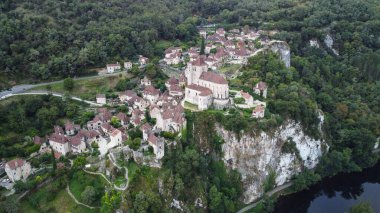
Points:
[(24, 87), (92, 103)]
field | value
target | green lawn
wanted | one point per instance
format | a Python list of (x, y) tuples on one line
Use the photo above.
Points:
[(86, 88), (190, 106), (120, 180), (79, 183), (62, 203), (229, 69), (132, 168)]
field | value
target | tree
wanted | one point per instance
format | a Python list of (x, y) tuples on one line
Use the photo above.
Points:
[(135, 143), (141, 203), (304, 180), (68, 84), (363, 207), (88, 196), (115, 122), (202, 51), (215, 198), (53, 161), (79, 162), (11, 205)]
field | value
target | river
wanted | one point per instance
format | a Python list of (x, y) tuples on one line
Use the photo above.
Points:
[(336, 194)]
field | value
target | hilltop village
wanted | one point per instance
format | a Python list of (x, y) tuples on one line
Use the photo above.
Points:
[(152, 117)]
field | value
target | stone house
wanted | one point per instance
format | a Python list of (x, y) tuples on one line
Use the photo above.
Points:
[(151, 94), (128, 65), (59, 143), (71, 128), (258, 112), (157, 144), (146, 82), (124, 119), (101, 99), (127, 95), (18, 169), (261, 88), (116, 138), (248, 99), (77, 144), (111, 68), (143, 60)]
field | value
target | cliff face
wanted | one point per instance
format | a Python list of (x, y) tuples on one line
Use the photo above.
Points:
[(283, 49), (255, 155)]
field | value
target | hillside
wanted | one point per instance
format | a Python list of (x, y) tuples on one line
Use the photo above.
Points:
[(52, 39)]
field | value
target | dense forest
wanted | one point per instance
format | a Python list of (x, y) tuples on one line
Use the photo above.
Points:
[(22, 119), (44, 39)]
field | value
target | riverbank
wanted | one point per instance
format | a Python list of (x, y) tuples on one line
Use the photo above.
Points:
[(280, 191), (335, 194)]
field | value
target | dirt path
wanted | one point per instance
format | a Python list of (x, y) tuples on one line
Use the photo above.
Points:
[(76, 201)]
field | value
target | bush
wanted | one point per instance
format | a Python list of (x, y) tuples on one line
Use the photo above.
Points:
[(68, 84), (134, 144)]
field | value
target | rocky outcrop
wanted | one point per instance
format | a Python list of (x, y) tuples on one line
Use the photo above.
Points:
[(283, 49), (254, 155), (329, 42), (280, 47)]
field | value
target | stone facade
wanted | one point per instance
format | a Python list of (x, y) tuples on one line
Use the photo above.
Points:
[(18, 169), (203, 87)]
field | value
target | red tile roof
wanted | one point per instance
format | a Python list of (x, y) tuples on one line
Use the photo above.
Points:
[(172, 80), (75, 140), (258, 109), (58, 130), (204, 91), (200, 61), (113, 65), (115, 133), (16, 163), (152, 139), (100, 96), (122, 117), (245, 95), (261, 85), (213, 77), (38, 140), (150, 90), (69, 126), (58, 138)]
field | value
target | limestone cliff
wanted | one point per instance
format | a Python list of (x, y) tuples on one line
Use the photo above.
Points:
[(254, 155), (283, 49)]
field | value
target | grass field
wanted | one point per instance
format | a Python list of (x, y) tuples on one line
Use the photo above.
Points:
[(229, 69), (86, 88), (78, 185), (62, 203), (190, 106), (132, 168)]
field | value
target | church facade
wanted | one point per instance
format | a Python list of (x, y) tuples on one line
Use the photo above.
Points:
[(205, 88)]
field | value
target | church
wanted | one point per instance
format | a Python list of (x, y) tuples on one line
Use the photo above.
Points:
[(205, 88)]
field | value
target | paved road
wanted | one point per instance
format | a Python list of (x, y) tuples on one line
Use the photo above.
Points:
[(269, 194), (24, 87), (55, 94)]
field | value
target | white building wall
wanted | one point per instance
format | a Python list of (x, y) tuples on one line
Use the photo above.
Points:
[(59, 147), (80, 148), (19, 173)]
